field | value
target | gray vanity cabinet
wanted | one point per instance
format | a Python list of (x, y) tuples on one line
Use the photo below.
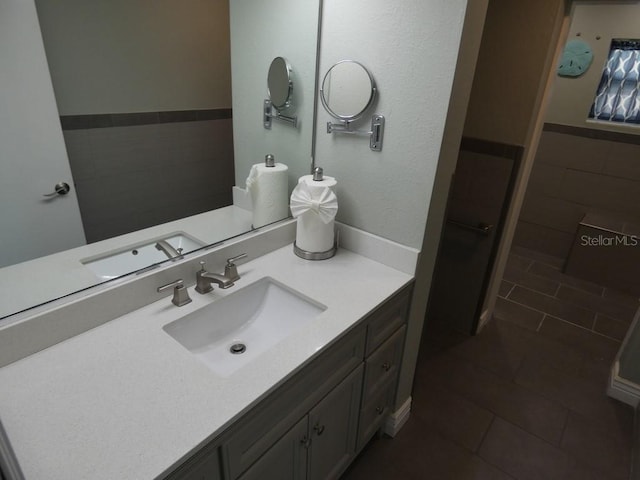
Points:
[(321, 445), (332, 429), (286, 459), (380, 379), (311, 426)]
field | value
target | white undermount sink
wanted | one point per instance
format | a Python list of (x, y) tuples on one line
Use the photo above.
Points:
[(231, 332), (125, 260)]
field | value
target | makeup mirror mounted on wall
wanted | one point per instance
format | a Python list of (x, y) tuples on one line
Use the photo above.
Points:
[(280, 91), (348, 91)]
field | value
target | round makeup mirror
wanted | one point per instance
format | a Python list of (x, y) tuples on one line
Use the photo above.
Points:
[(348, 90), (279, 83)]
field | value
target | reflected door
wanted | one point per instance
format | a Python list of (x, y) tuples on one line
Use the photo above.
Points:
[(480, 192), (32, 150)]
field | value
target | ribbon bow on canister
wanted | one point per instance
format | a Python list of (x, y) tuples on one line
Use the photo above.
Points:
[(311, 200)]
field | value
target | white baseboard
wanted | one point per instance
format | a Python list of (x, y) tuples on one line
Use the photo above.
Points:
[(484, 319), (396, 420)]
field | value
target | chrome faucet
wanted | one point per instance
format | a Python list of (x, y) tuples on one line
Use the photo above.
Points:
[(204, 279), (166, 248)]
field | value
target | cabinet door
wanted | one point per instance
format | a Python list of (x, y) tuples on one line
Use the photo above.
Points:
[(253, 435), (332, 428), (286, 459)]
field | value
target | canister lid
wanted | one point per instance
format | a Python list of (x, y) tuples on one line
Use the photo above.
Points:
[(269, 160)]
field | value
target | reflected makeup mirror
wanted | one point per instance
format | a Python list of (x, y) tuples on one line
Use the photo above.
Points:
[(280, 91), (279, 83)]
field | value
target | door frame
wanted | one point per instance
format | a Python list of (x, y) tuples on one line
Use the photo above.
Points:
[(472, 31)]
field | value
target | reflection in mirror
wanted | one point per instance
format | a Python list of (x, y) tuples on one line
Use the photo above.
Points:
[(348, 90), (279, 88), (147, 124), (279, 83)]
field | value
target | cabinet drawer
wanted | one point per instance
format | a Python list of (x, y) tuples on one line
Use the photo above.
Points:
[(373, 413), (383, 364), (387, 319), (268, 421)]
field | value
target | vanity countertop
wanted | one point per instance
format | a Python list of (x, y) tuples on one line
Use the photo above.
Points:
[(125, 400), (62, 273)]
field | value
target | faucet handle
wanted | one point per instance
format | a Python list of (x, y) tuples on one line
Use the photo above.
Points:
[(231, 261), (180, 292), (230, 269)]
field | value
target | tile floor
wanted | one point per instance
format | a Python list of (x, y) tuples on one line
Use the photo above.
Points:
[(526, 398)]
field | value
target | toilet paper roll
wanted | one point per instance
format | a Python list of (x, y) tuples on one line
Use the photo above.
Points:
[(268, 188), (313, 235), (315, 224)]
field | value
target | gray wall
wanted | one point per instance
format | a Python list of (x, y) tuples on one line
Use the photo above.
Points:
[(115, 56), (411, 51), (572, 175), (144, 92), (133, 177)]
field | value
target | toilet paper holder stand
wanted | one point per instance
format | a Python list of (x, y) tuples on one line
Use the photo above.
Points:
[(316, 255)]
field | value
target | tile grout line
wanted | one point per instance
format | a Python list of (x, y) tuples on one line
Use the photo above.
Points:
[(514, 425), (486, 432), (489, 409), (586, 329), (596, 311), (564, 427), (541, 311), (528, 270), (477, 452), (530, 265), (545, 314), (593, 324), (536, 291)]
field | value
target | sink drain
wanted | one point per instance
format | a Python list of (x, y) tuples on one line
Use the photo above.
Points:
[(237, 348)]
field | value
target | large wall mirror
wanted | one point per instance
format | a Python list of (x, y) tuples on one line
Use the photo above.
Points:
[(154, 126)]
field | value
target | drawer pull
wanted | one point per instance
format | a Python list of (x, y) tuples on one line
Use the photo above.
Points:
[(318, 428), (386, 366), (380, 410), (306, 442)]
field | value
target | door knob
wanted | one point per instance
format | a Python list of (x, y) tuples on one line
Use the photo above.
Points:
[(61, 188)]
